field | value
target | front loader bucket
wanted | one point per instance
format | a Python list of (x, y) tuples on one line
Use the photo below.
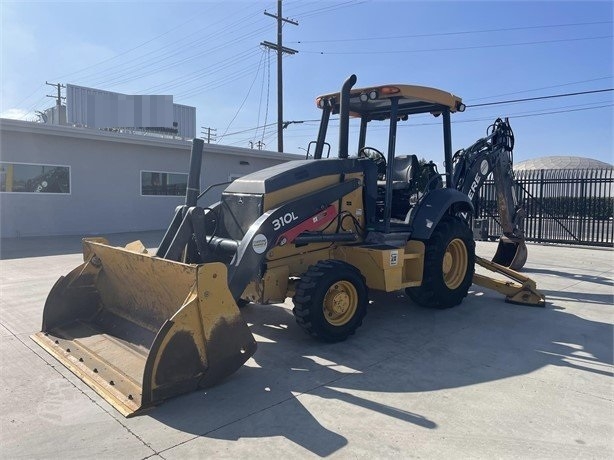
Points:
[(140, 329), (512, 254)]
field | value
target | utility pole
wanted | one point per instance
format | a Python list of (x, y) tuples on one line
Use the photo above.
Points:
[(280, 50), (59, 97), (210, 134), (259, 145), (58, 116)]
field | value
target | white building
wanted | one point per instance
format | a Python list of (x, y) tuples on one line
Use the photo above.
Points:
[(62, 180)]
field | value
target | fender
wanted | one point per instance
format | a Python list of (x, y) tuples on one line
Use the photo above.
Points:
[(432, 208)]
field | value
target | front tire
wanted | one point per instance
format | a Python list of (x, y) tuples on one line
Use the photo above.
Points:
[(449, 263), (331, 300)]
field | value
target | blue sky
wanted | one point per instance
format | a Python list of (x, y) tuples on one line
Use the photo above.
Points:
[(208, 55)]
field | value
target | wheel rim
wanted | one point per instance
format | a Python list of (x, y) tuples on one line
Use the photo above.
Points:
[(340, 303), (454, 264)]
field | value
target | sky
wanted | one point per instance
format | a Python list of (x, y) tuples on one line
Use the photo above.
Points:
[(208, 54)]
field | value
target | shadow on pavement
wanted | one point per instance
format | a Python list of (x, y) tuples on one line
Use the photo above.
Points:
[(574, 276), (402, 348), (579, 297)]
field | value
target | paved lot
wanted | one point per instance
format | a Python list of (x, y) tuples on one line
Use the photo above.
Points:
[(484, 380)]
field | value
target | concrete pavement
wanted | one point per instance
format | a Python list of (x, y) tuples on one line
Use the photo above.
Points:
[(486, 379)]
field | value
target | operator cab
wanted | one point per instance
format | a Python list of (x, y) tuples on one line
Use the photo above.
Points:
[(401, 180)]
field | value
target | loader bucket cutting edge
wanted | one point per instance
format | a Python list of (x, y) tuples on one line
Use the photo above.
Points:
[(139, 329), (511, 254)]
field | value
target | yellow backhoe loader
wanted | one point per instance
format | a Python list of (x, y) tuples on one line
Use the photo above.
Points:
[(140, 328)]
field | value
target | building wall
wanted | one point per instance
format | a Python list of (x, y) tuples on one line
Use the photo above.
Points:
[(96, 108), (105, 178)]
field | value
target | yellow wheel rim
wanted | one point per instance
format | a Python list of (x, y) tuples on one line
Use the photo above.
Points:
[(454, 265), (340, 303)]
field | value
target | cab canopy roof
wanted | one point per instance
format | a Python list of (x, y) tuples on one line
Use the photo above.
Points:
[(375, 102)]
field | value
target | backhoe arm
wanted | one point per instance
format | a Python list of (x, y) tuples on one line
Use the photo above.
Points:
[(493, 154)]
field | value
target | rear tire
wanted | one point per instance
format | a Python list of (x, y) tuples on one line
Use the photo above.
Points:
[(331, 300), (449, 263)]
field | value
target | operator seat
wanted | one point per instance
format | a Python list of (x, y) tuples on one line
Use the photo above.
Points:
[(405, 170)]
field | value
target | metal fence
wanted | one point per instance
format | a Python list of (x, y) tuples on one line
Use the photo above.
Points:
[(562, 206)]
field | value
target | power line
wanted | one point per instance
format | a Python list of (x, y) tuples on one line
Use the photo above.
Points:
[(156, 64), (473, 120), (539, 114), (250, 129), (173, 45), (29, 95), (260, 99), (441, 34), (245, 99), (473, 110), (268, 89), (328, 9), (129, 50), (33, 107), (159, 57), (211, 68), (568, 109), (460, 48), (140, 67), (489, 118), (543, 87), (553, 96), (221, 81)]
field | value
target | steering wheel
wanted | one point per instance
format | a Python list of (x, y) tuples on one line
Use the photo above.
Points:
[(377, 157)]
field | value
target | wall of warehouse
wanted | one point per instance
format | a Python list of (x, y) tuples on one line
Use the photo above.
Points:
[(105, 194)]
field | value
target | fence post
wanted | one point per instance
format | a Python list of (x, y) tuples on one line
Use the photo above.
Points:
[(583, 214), (541, 197)]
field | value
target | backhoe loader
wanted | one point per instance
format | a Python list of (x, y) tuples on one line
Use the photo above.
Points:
[(140, 328)]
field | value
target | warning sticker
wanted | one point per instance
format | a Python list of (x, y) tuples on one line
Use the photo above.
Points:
[(394, 258), (259, 243)]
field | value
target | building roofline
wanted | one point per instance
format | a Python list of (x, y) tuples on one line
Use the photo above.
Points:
[(562, 162), (7, 124)]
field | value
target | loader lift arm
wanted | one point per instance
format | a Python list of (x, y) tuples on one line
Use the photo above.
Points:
[(494, 154)]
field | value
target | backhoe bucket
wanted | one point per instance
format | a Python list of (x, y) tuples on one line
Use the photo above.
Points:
[(139, 329), (512, 254)]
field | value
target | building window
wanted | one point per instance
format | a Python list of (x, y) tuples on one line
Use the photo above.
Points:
[(163, 183), (34, 178)]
